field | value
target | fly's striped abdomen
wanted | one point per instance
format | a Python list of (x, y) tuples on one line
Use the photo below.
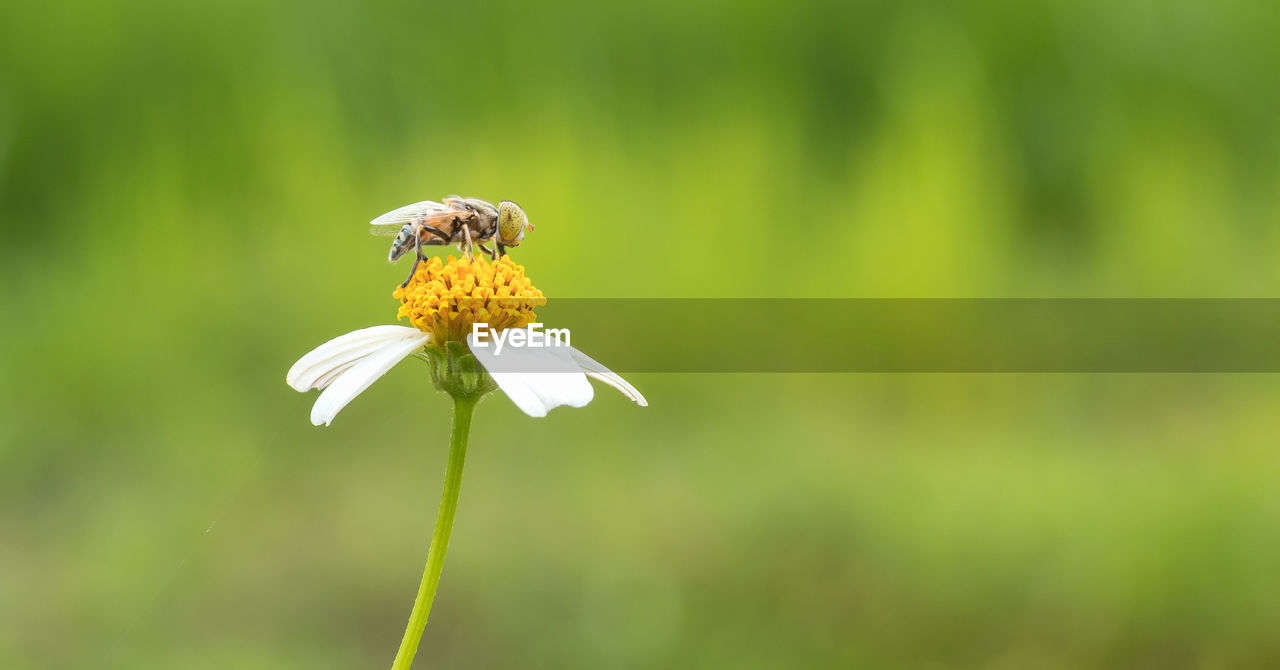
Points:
[(403, 241)]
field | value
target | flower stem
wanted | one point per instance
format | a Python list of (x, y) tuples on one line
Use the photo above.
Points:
[(463, 407)]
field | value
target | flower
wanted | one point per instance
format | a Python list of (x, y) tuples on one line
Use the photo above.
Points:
[(443, 301)]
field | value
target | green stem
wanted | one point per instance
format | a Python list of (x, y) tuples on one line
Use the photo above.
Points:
[(462, 410)]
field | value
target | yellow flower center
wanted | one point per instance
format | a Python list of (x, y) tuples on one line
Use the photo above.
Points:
[(445, 299)]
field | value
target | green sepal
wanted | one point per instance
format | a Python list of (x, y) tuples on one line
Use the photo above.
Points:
[(456, 371)]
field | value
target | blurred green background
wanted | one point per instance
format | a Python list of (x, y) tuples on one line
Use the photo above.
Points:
[(184, 189)]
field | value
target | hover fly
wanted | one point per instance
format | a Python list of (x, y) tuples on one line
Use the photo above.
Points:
[(467, 222)]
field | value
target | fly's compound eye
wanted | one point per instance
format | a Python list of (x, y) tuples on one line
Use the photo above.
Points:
[(511, 223)]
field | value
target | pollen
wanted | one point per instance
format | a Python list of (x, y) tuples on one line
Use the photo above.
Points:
[(445, 299)]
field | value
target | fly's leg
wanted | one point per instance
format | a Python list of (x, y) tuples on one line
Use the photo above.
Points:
[(492, 256), (502, 249), (412, 271), (437, 232), (467, 250), (417, 258)]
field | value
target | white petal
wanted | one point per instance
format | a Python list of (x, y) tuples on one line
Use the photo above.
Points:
[(600, 372), (354, 381), (333, 374), (536, 393), (326, 362)]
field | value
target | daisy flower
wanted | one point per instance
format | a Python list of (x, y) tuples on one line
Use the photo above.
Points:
[(443, 301), (451, 305)]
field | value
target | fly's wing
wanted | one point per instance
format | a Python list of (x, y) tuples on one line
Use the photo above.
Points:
[(391, 222), (483, 205)]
